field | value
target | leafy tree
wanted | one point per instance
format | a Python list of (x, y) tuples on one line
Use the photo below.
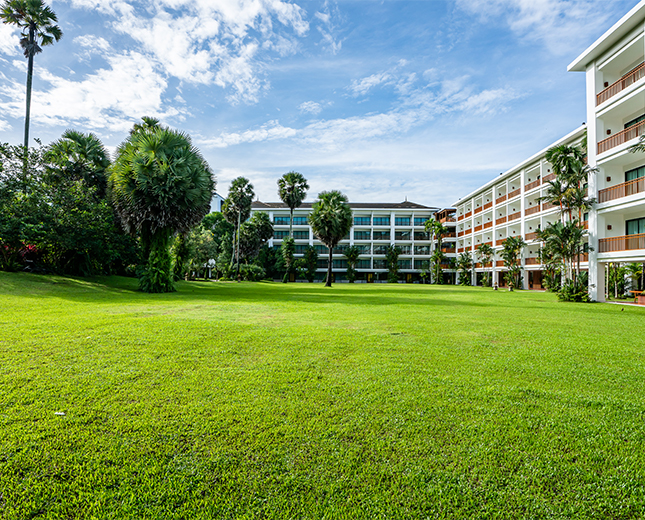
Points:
[(352, 253), (511, 254), (437, 231), (425, 271), (220, 229), (292, 190), (486, 255), (465, 266), (236, 209), (254, 233), (310, 263), (37, 24), (635, 273), (287, 250), (392, 261), (160, 186), (331, 220)]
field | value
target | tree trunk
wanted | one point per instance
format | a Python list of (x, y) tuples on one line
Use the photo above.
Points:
[(30, 75), (239, 217), (291, 223), (329, 262)]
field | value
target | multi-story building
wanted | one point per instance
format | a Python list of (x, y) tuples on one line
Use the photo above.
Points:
[(615, 82), (509, 206), (376, 226)]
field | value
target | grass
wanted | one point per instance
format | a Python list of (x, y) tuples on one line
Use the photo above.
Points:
[(296, 401)]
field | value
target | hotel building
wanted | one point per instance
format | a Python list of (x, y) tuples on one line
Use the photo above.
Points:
[(376, 226)]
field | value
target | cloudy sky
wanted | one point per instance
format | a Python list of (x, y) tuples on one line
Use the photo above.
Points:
[(423, 99)]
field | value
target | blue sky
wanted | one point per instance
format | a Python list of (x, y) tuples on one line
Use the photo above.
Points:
[(424, 99)]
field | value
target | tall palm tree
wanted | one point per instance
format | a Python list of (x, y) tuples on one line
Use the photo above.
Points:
[(160, 185), (331, 220), (511, 254), (37, 23), (464, 266), (486, 255), (236, 209), (292, 189)]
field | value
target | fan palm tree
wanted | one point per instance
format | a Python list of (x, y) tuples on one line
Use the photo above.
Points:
[(486, 255), (292, 189), (331, 220), (37, 24), (352, 253), (160, 185), (78, 156), (236, 209)]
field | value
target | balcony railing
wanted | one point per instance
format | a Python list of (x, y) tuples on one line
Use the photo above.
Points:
[(628, 79), (468, 231), (514, 216), (513, 193), (460, 234), (621, 137), (487, 225), (531, 261), (448, 250), (488, 243), (460, 217), (460, 250), (500, 242), (499, 263), (547, 178), (532, 185), (478, 228), (478, 209), (450, 235), (500, 220), (531, 236), (531, 211), (468, 214), (624, 243), (488, 205), (501, 199), (447, 219), (584, 257), (622, 190), (548, 205)]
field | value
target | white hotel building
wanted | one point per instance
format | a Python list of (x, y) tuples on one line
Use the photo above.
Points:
[(376, 226)]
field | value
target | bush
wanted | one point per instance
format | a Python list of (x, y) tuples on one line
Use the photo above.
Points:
[(252, 273)]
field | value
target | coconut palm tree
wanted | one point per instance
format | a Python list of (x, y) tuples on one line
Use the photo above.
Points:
[(160, 185), (292, 190), (37, 24), (330, 220), (486, 255), (236, 209), (351, 253)]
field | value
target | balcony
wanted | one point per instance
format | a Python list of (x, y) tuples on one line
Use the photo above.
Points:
[(477, 210), (532, 185), (448, 250), (488, 205), (624, 243), (499, 263), (478, 228), (500, 200), (468, 214), (514, 216), (443, 220), (500, 242), (513, 193), (500, 220), (547, 178), (622, 190), (452, 234), (548, 205), (487, 225), (460, 217), (468, 231), (531, 261), (531, 211), (628, 79), (621, 137), (531, 236)]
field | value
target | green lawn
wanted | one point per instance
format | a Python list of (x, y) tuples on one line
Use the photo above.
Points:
[(228, 400)]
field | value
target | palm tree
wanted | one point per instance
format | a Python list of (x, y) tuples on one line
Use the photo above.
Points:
[(36, 21), (352, 253), (511, 254), (437, 231), (464, 266), (566, 161), (160, 185), (331, 220), (292, 189), (486, 254), (392, 260), (78, 156), (236, 209)]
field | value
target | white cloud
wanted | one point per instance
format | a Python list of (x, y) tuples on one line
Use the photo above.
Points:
[(402, 82), (310, 107), (90, 44), (327, 28), (9, 40), (557, 23), (267, 132)]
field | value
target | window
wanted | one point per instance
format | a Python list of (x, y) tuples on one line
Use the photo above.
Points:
[(405, 249), (421, 235), (281, 221), (381, 221), (340, 249), (381, 235), (420, 221), (299, 221), (403, 235), (380, 263), (635, 226), (422, 264), (362, 235), (364, 249), (405, 264), (585, 218), (301, 235), (339, 264), (322, 250), (634, 122), (636, 173), (300, 249), (362, 221), (421, 250), (321, 264), (380, 250), (279, 235), (363, 264), (401, 221)]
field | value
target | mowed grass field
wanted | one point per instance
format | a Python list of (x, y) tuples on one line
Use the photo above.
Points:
[(269, 400)]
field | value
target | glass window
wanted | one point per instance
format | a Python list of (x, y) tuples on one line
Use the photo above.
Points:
[(405, 249), (421, 235), (301, 235), (299, 221), (381, 235), (422, 264), (280, 234), (420, 221), (365, 249), (381, 221), (300, 249), (362, 221), (362, 235), (322, 264), (421, 250), (380, 263), (281, 221), (636, 173), (339, 264), (635, 226), (380, 250), (634, 122), (405, 264), (340, 249), (403, 235), (322, 250), (401, 221), (363, 264)]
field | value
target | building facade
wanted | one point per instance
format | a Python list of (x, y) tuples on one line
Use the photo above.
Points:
[(376, 227), (615, 83), (509, 206)]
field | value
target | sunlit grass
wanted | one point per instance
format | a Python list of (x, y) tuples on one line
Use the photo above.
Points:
[(228, 400)]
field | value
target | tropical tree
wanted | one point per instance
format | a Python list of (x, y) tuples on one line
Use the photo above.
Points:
[(511, 254), (292, 190), (635, 273), (287, 250), (351, 253), (437, 232), (464, 266), (236, 209), (160, 186), (254, 233), (486, 255), (330, 220), (310, 263), (392, 260), (37, 30), (436, 261)]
